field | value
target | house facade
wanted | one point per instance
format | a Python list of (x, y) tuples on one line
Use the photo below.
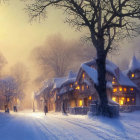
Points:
[(133, 73)]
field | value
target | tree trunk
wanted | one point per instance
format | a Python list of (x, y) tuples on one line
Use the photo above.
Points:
[(101, 87)]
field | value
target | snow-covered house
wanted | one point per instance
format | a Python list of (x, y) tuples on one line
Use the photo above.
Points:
[(133, 73), (66, 91), (124, 90)]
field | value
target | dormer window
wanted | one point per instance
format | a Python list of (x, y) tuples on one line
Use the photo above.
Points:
[(114, 81), (83, 75), (132, 75)]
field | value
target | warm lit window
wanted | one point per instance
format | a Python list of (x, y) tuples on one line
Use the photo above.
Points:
[(114, 99), (80, 102), (71, 85), (125, 89), (83, 75), (78, 87), (131, 89), (82, 87), (76, 83), (128, 99), (114, 89), (133, 99), (120, 88), (113, 82), (90, 98), (121, 100), (132, 75), (87, 87)]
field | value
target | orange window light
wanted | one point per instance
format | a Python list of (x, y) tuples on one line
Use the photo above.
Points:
[(114, 98), (131, 89), (125, 89), (83, 75), (90, 98), (132, 75), (80, 102), (78, 87), (114, 89), (120, 88), (113, 82), (128, 99), (83, 88), (71, 85), (133, 99), (121, 102)]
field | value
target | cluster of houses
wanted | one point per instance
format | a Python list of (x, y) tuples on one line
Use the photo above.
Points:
[(77, 91)]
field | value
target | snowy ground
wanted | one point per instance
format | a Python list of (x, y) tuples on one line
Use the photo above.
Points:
[(55, 126)]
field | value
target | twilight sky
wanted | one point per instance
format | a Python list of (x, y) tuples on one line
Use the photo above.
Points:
[(18, 36)]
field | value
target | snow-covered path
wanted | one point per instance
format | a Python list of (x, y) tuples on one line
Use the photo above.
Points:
[(55, 126)]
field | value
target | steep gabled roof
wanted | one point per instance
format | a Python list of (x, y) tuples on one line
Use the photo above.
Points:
[(59, 81), (134, 64), (113, 69), (91, 72)]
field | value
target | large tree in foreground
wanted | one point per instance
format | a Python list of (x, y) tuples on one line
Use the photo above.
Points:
[(106, 20)]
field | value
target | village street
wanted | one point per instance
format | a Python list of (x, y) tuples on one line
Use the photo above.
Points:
[(55, 126)]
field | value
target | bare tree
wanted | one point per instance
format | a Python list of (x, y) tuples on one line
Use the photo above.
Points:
[(106, 20), (9, 88), (57, 56), (21, 75), (2, 63)]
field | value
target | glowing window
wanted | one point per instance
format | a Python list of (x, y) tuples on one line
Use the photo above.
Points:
[(131, 89), (87, 87), (120, 88), (133, 99), (114, 89), (78, 87), (82, 87), (80, 102), (125, 89), (83, 75), (121, 102), (90, 98), (132, 75), (113, 82), (128, 99), (71, 85), (76, 83), (114, 99)]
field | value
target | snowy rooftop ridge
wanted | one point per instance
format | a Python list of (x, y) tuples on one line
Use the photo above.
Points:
[(110, 67), (134, 64), (91, 72)]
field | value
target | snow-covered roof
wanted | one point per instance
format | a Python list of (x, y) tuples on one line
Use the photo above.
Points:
[(91, 72), (110, 66), (125, 81), (113, 69), (59, 81), (134, 64)]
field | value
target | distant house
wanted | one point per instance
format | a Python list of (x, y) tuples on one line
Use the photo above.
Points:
[(133, 73)]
